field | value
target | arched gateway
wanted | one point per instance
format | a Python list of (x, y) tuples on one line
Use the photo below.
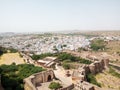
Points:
[(49, 78)]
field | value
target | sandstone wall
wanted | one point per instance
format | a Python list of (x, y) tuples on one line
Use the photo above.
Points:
[(93, 68), (36, 79), (98, 66)]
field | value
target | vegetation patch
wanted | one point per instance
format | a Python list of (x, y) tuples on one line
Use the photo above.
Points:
[(12, 50), (2, 50), (55, 85), (41, 56), (66, 56), (98, 44), (5, 50), (91, 78), (66, 66), (113, 72), (62, 57), (12, 75)]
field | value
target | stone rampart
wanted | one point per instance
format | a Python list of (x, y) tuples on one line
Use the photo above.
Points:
[(94, 68), (36, 79)]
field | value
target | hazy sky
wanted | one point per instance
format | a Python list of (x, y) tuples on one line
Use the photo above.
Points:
[(53, 15)]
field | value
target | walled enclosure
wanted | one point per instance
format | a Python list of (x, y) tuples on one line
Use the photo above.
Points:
[(36, 79), (94, 68)]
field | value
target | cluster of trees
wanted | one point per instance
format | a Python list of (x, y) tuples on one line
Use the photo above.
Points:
[(97, 44), (12, 50), (66, 65), (2, 50), (5, 50), (65, 56), (67, 59), (12, 75), (91, 78), (62, 57), (41, 56)]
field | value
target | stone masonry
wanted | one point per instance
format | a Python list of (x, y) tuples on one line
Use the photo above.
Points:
[(94, 68), (34, 80)]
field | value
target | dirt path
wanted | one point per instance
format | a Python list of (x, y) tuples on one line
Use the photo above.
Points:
[(60, 73)]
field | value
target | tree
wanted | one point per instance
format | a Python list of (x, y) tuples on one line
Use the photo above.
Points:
[(12, 75), (91, 78), (98, 44), (41, 56), (65, 56), (2, 50), (66, 66), (55, 85)]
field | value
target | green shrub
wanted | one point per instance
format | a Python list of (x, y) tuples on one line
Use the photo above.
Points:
[(41, 56), (12, 50), (12, 75), (91, 78), (66, 66), (65, 56), (85, 61), (2, 50), (98, 44), (55, 85)]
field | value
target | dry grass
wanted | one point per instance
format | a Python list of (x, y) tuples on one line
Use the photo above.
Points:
[(9, 58), (113, 46), (108, 81)]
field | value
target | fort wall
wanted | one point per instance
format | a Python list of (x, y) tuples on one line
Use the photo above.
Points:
[(36, 79), (94, 68)]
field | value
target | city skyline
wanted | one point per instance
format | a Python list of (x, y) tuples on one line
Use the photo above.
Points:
[(63, 15)]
